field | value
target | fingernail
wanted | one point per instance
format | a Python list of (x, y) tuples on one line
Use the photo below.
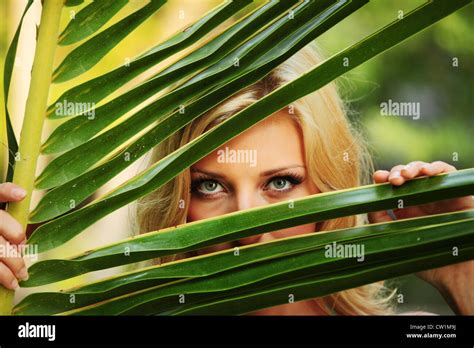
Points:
[(18, 193), (24, 274), (14, 285)]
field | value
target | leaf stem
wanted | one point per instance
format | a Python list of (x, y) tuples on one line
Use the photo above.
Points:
[(35, 112)]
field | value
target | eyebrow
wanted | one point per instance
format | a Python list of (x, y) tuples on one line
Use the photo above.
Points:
[(263, 174)]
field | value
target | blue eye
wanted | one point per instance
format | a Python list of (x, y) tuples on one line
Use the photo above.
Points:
[(208, 187), (280, 184), (283, 183)]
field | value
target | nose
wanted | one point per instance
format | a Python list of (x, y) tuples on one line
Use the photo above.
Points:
[(247, 199)]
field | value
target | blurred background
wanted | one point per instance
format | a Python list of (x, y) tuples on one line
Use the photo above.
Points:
[(435, 68)]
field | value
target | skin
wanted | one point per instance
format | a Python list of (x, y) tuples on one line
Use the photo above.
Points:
[(11, 232), (279, 175)]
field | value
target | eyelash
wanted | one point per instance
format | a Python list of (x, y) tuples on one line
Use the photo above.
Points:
[(200, 180), (293, 178)]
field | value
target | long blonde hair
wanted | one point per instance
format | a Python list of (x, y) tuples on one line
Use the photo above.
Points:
[(336, 158)]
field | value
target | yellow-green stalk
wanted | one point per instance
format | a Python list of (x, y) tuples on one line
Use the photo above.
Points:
[(35, 112)]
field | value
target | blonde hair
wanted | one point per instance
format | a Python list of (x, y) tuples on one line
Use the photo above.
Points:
[(336, 158)]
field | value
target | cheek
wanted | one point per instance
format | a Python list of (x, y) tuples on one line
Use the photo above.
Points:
[(199, 209), (195, 212)]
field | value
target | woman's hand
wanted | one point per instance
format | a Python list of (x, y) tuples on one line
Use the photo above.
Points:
[(454, 281), (12, 236)]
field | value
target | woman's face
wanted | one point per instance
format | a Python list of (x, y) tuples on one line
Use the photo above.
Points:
[(263, 165)]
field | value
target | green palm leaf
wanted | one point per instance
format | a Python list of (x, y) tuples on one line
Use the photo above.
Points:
[(57, 201), (78, 130), (71, 3), (66, 227), (255, 221), (320, 286), (91, 52), (100, 87), (7, 76), (284, 259), (89, 20), (76, 161)]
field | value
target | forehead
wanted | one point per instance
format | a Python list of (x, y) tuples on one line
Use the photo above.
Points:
[(276, 142)]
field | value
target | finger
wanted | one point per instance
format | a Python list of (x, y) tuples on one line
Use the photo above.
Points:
[(7, 278), (381, 176), (412, 169), (437, 167), (10, 192), (395, 177), (13, 259), (379, 216), (11, 229)]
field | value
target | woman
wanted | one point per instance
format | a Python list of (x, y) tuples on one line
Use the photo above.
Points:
[(304, 149)]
